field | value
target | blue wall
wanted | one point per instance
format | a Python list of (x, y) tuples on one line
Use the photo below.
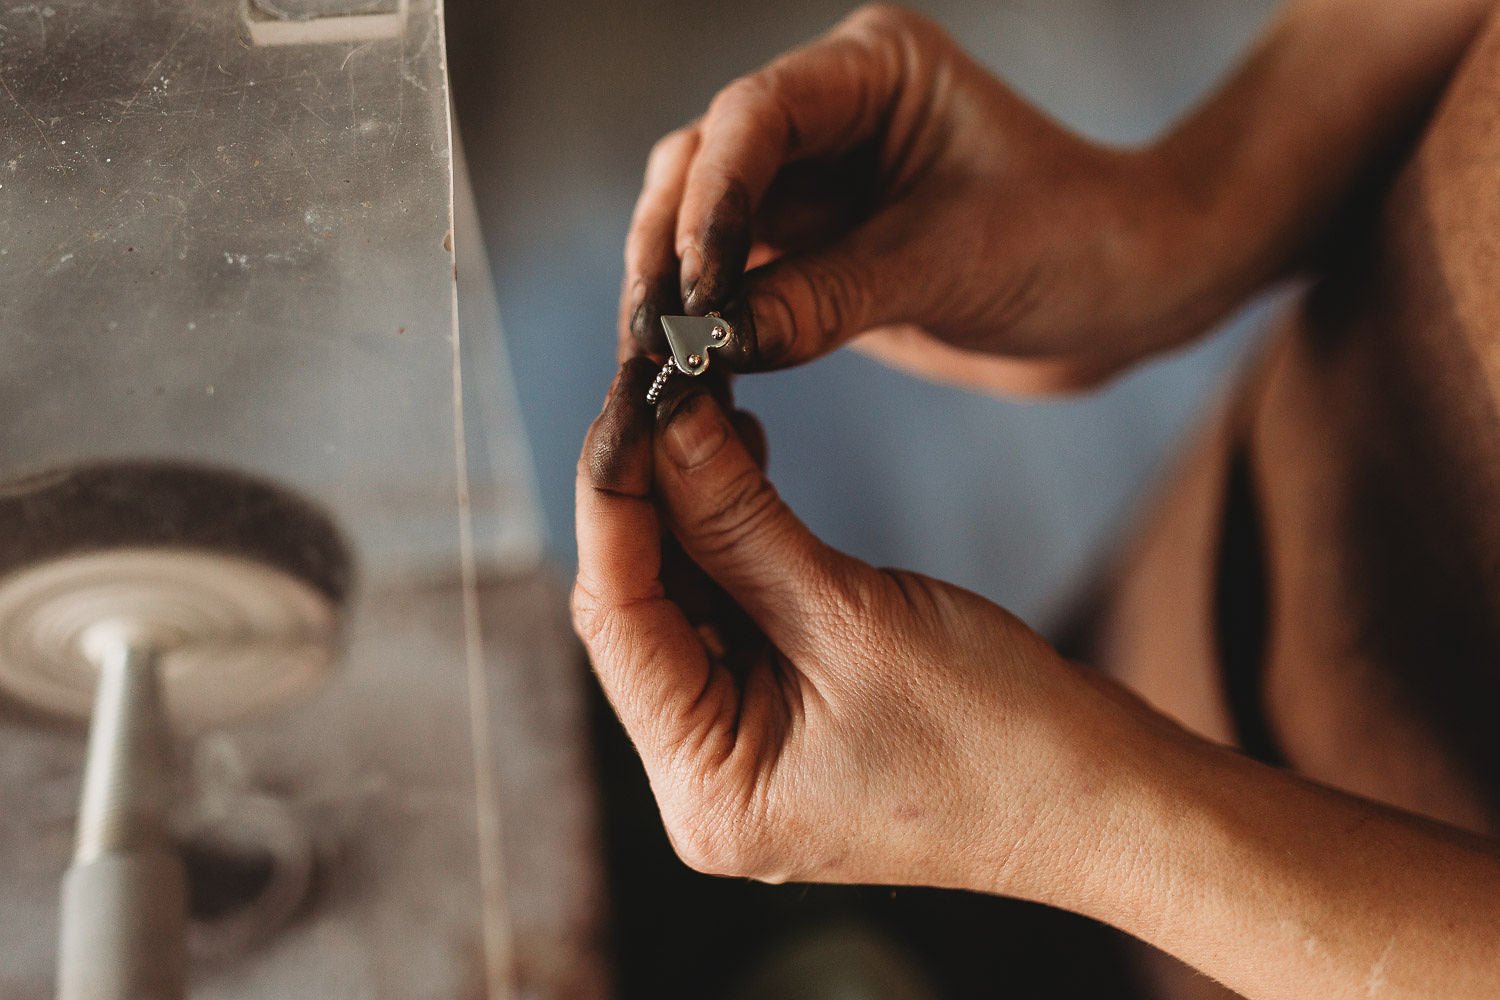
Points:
[(1016, 501)]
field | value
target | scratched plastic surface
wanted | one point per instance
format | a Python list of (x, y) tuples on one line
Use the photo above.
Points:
[(236, 253), (219, 251)]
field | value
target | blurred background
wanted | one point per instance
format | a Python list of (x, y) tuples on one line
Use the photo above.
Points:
[(431, 816), (558, 104)]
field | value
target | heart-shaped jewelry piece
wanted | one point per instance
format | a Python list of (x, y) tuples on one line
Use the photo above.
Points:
[(690, 338)]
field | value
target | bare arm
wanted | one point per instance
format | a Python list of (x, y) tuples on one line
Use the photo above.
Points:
[(883, 727), (822, 720), (879, 184), (1328, 92), (1277, 886)]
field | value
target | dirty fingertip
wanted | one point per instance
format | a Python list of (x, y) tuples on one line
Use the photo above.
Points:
[(618, 443), (725, 247), (659, 296), (690, 272), (743, 352)]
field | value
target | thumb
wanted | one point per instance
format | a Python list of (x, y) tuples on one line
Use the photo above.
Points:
[(734, 525), (801, 307)]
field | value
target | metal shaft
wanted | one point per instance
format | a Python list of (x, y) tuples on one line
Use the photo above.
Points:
[(124, 899)]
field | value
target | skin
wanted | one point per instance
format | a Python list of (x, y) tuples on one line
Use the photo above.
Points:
[(806, 716), (1373, 441)]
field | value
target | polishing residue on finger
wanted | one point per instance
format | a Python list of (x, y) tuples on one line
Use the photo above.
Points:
[(622, 428)]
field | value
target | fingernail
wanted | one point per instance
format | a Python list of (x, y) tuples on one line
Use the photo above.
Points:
[(638, 307), (690, 271), (725, 243), (695, 431)]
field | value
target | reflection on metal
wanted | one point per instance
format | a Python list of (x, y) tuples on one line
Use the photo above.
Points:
[(692, 337), (249, 855), (223, 254), (123, 921)]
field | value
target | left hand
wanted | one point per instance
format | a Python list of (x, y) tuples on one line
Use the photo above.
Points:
[(801, 714), (878, 187)]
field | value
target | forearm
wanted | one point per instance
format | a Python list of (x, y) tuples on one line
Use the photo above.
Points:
[(1274, 885), (1266, 164)]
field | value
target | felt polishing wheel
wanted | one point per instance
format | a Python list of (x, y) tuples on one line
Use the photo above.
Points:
[(236, 636), (237, 584)]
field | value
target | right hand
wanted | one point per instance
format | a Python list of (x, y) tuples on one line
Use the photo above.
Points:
[(880, 182), (803, 715)]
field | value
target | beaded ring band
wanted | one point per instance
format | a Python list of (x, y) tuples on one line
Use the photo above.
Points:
[(654, 393)]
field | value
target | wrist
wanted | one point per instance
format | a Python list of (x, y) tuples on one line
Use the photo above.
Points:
[(1159, 258), (1103, 779), (1164, 816), (1192, 259)]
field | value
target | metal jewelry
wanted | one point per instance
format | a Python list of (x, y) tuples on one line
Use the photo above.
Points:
[(690, 338)]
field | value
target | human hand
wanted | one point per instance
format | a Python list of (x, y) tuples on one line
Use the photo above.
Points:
[(880, 184), (801, 714)]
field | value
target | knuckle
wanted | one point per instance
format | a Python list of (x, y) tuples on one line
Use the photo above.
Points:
[(708, 854), (716, 841), (594, 622), (744, 93), (912, 590), (635, 246), (756, 103), (586, 613), (882, 17), (833, 293), (746, 504), (777, 334), (668, 149), (819, 304), (895, 34), (814, 304)]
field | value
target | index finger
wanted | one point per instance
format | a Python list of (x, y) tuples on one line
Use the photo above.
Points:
[(651, 269), (824, 98)]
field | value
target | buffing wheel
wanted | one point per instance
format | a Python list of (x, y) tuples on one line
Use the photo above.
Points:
[(236, 584), (237, 637)]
